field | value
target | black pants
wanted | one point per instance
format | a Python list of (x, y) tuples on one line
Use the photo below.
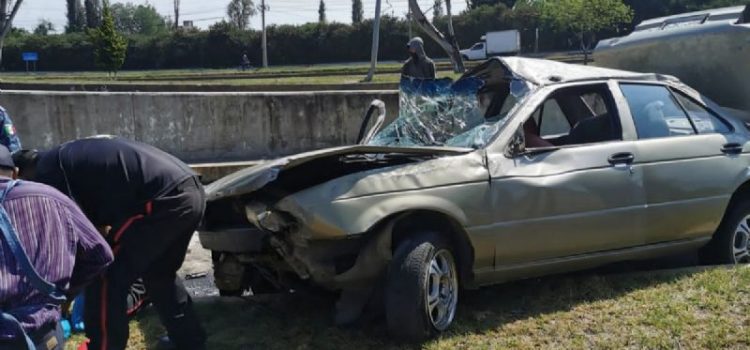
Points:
[(151, 245)]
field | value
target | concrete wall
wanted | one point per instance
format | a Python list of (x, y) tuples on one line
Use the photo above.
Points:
[(197, 127)]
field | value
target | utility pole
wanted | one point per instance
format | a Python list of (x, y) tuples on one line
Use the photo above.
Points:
[(6, 20), (176, 14), (263, 34), (375, 42), (408, 18)]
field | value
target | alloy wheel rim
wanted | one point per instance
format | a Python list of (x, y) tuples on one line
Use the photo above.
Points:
[(441, 290), (741, 241)]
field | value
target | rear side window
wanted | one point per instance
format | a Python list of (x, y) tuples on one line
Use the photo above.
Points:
[(705, 122), (656, 113)]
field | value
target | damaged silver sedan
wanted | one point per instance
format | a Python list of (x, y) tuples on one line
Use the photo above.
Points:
[(521, 168)]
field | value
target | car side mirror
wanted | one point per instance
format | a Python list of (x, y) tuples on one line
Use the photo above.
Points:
[(366, 135), (517, 143)]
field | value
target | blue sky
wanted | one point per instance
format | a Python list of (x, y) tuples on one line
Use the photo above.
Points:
[(206, 12)]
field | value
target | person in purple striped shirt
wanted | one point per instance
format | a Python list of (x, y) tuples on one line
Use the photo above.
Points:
[(62, 245)]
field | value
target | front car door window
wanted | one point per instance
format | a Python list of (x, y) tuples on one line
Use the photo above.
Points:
[(555, 123), (574, 116)]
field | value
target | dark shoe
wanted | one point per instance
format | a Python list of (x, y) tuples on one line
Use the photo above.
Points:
[(166, 344)]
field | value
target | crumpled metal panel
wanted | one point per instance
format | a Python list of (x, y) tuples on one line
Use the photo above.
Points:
[(254, 178), (544, 72), (354, 203)]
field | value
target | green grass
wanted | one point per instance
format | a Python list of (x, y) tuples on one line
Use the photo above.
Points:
[(686, 309), (292, 75), (316, 80), (199, 71)]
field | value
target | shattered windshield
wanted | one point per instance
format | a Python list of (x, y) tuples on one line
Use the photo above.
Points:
[(467, 113)]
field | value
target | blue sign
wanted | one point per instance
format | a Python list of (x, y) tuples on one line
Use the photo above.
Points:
[(30, 56)]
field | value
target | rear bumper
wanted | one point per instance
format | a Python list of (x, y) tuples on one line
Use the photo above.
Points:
[(237, 240)]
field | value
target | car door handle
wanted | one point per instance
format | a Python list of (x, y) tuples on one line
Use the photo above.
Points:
[(621, 158), (732, 148)]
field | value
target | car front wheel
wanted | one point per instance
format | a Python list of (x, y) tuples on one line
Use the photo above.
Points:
[(731, 242), (421, 293)]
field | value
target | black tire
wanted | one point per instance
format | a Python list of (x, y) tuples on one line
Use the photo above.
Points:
[(466, 58), (407, 283), (721, 248)]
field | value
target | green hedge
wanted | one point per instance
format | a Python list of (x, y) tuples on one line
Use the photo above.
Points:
[(222, 46)]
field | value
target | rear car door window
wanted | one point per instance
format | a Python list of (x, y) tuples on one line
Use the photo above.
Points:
[(705, 122), (656, 113)]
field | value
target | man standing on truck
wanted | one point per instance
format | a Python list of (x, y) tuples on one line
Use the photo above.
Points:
[(418, 66), (147, 204)]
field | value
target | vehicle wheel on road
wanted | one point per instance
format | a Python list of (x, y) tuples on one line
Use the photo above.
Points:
[(465, 58), (421, 292), (731, 242)]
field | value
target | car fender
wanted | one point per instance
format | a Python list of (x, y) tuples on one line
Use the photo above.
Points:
[(390, 207)]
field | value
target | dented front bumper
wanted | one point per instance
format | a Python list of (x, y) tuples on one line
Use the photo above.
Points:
[(238, 240)]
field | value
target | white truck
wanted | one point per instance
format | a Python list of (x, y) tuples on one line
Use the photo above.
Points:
[(502, 43)]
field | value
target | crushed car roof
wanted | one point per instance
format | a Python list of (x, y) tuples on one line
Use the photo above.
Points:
[(546, 72)]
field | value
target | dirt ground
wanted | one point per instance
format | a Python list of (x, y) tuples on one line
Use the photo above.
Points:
[(198, 263)]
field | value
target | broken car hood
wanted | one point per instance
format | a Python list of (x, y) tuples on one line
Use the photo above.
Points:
[(256, 177)]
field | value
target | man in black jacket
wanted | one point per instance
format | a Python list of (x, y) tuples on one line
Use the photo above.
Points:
[(418, 65), (147, 203)]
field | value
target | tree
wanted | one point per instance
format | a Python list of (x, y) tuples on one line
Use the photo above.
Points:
[(141, 19), (93, 13), (357, 11), (44, 27), (472, 4), (76, 17), (585, 17), (239, 12), (6, 20), (437, 9), (447, 43), (375, 43), (176, 14), (322, 12), (109, 46)]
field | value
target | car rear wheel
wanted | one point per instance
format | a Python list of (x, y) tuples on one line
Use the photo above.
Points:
[(731, 242), (421, 293)]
